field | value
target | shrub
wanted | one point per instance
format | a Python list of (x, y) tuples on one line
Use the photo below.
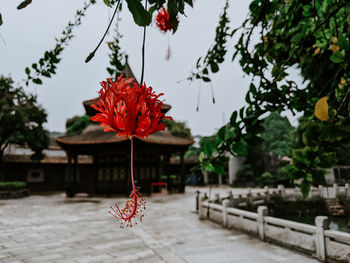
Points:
[(12, 185)]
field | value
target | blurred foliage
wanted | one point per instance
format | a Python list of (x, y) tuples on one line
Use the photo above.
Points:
[(277, 135), (312, 37), (216, 53), (77, 124), (46, 66), (196, 150), (116, 57), (178, 128), (21, 120), (263, 163), (12, 185)]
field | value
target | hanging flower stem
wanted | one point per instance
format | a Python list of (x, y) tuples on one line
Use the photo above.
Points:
[(143, 49), (92, 54), (132, 164), (135, 206)]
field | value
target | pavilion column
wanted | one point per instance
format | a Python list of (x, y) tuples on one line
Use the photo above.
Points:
[(69, 171), (75, 168), (94, 173), (182, 173), (167, 172)]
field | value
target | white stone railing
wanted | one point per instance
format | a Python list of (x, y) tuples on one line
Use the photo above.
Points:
[(262, 196), (317, 241)]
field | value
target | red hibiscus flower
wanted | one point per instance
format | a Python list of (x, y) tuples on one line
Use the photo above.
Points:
[(129, 110), (162, 20)]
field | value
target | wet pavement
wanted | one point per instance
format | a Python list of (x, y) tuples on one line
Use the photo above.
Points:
[(52, 228)]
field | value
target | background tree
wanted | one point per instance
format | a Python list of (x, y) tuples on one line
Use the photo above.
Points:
[(21, 120), (264, 162), (277, 135), (313, 38), (178, 128), (77, 124)]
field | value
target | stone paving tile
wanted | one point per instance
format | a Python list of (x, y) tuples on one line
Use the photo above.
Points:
[(59, 230)]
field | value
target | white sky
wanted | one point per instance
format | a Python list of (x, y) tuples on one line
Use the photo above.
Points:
[(31, 31)]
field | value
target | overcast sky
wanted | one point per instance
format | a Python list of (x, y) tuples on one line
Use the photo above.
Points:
[(31, 31)]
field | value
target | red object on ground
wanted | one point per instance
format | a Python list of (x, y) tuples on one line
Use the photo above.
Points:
[(159, 184)]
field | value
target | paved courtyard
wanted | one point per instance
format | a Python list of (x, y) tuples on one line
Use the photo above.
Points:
[(56, 229)]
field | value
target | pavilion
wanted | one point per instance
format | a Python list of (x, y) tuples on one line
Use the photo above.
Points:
[(110, 170)]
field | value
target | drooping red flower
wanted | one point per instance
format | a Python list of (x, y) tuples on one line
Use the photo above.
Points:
[(129, 109), (162, 20)]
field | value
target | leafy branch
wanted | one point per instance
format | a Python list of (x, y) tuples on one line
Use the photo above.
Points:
[(46, 66), (216, 54)]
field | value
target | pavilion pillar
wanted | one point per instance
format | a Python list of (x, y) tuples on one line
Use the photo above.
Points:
[(95, 173), (69, 171), (182, 173), (167, 172), (75, 168)]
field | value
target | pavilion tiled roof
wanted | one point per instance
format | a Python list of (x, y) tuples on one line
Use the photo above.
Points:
[(94, 134)]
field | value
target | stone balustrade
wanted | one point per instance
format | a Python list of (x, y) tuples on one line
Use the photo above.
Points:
[(263, 196), (317, 241)]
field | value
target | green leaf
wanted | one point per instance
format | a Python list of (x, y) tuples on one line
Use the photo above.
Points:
[(189, 2), (343, 42), (209, 167), (0, 20), (24, 4), (233, 118), (305, 188), (208, 149), (206, 79), (37, 81), (219, 169), (201, 157), (107, 3), (222, 133), (27, 70), (172, 8), (297, 38), (214, 67), (239, 147), (327, 159), (309, 177), (140, 15), (46, 74), (337, 57)]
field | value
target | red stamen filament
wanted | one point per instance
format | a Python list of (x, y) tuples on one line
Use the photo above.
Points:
[(134, 206)]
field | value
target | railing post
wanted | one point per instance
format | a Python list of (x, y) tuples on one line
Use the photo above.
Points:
[(320, 190), (225, 204), (321, 223), (249, 196), (267, 194), (200, 207), (262, 212), (335, 189), (235, 201), (217, 198), (197, 200), (282, 190), (347, 190)]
